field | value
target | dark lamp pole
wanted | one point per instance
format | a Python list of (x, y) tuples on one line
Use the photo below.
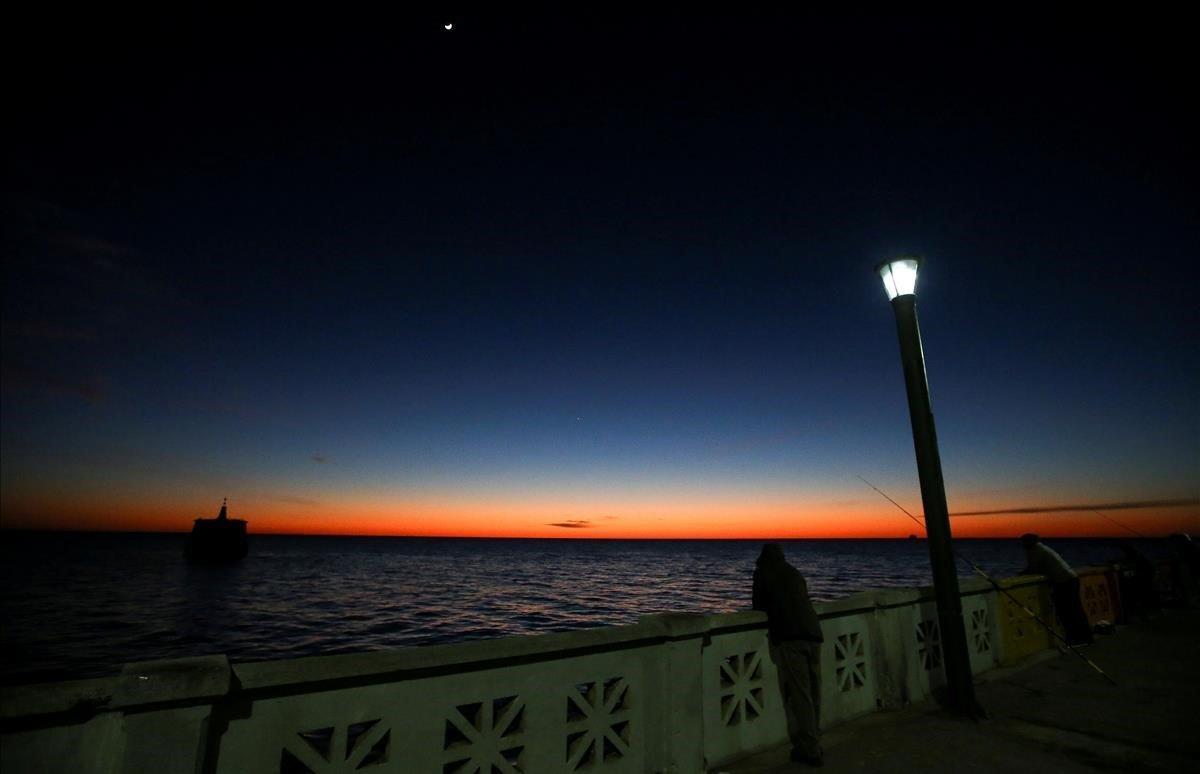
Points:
[(900, 281)]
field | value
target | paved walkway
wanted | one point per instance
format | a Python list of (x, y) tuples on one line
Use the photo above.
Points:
[(1051, 714)]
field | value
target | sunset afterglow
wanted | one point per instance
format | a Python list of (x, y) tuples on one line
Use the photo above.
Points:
[(472, 288), (568, 516)]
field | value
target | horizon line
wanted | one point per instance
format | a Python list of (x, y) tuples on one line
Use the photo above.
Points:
[(768, 538)]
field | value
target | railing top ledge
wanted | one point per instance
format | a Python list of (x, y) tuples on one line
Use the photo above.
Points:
[(743, 619), (21, 701), (1020, 580), (675, 626), (502, 651), (861, 601), (972, 585), (178, 680), (869, 600), (481, 654)]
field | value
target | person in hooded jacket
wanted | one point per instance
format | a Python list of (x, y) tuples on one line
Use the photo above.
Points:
[(794, 632)]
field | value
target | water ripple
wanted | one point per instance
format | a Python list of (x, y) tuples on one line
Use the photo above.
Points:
[(82, 605)]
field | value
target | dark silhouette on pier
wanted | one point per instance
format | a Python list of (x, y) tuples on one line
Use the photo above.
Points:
[(1139, 597), (1041, 559), (795, 635), (1185, 569)]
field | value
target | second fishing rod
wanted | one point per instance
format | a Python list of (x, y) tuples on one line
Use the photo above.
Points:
[(1048, 627)]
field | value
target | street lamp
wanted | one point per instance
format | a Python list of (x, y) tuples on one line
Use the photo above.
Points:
[(900, 281)]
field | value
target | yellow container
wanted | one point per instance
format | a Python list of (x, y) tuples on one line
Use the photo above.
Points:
[(1099, 594), (1020, 634)]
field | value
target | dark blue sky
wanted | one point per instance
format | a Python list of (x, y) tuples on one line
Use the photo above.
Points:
[(601, 264)]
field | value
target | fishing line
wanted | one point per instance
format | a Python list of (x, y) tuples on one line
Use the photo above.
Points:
[(1119, 524), (997, 586)]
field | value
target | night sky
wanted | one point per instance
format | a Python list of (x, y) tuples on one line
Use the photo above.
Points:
[(595, 276)]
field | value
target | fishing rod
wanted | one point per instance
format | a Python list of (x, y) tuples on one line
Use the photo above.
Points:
[(997, 586)]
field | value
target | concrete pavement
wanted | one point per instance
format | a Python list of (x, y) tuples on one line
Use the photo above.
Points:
[(1051, 714)]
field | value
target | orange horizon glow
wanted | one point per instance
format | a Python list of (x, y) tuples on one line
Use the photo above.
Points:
[(673, 519)]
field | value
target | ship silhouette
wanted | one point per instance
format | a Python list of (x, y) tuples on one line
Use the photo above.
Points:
[(217, 540)]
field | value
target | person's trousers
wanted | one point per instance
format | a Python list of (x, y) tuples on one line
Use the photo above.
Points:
[(1069, 607), (799, 666)]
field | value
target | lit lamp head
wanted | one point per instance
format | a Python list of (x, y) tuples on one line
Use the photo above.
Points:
[(899, 276)]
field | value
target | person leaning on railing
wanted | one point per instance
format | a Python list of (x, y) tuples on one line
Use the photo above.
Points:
[(1185, 569), (1041, 559), (1139, 598), (795, 635)]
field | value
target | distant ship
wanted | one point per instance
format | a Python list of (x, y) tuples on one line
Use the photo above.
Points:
[(217, 540)]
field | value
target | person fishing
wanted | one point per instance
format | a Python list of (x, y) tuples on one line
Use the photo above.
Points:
[(1001, 590), (1185, 569), (1041, 559), (794, 632), (1138, 595)]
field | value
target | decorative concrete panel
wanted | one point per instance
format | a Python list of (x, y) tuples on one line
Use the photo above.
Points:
[(922, 659), (356, 747), (848, 685), (981, 635), (487, 735), (586, 713), (741, 687), (929, 644), (850, 661), (598, 724), (979, 625), (743, 705)]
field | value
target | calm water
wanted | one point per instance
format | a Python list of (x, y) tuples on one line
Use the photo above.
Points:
[(80, 605)]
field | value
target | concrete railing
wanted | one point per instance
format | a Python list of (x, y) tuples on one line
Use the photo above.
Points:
[(671, 693)]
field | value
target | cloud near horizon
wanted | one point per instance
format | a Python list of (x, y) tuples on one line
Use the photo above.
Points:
[(1119, 506), (571, 524)]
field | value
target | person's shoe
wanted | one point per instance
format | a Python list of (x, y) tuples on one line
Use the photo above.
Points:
[(812, 760)]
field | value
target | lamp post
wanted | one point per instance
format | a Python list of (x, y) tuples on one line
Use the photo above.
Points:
[(900, 281)]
